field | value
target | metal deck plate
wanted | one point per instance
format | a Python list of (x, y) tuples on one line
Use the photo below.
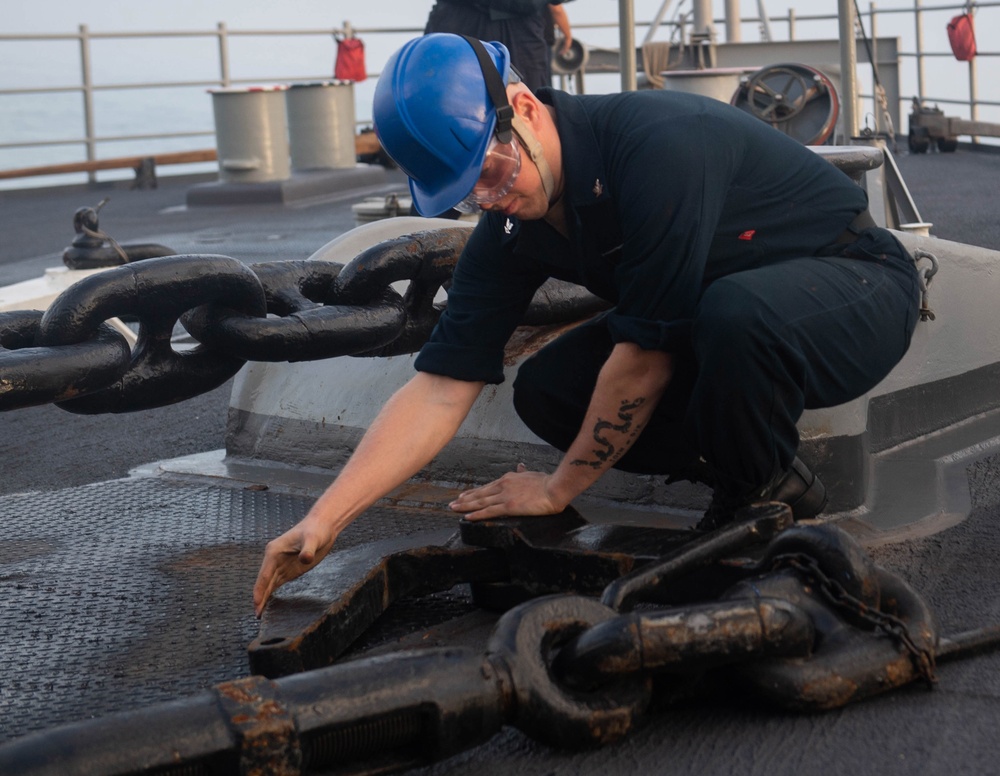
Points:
[(118, 595)]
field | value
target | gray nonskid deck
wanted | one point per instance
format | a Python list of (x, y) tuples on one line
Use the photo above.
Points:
[(127, 593)]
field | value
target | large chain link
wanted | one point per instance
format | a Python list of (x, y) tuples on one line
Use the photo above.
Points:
[(277, 311), (155, 292), (32, 375), (812, 598)]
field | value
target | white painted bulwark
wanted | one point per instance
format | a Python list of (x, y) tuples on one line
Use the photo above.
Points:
[(39, 293)]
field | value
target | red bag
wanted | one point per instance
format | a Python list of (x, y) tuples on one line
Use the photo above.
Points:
[(350, 62), (962, 36)]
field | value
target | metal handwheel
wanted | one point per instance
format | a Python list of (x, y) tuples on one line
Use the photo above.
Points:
[(778, 94)]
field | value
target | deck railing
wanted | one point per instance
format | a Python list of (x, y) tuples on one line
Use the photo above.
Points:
[(224, 76)]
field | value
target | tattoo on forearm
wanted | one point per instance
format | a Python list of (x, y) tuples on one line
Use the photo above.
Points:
[(608, 453)]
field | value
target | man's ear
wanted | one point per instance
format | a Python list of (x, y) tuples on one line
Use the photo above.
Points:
[(525, 105)]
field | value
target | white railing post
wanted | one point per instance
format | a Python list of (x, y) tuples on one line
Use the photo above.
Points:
[(848, 70), (873, 43), (626, 43), (223, 34), (734, 32), (918, 18), (88, 98), (973, 96)]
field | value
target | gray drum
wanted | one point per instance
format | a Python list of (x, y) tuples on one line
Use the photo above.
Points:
[(321, 124), (251, 133)]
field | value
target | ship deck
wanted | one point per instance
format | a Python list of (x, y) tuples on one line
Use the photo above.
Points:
[(127, 583)]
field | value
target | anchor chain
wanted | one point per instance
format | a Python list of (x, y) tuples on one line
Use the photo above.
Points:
[(775, 626), (565, 669), (276, 311)]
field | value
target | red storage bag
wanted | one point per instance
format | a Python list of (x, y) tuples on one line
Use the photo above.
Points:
[(962, 36), (350, 63)]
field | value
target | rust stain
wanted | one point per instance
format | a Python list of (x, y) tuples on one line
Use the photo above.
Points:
[(237, 691), (527, 340), (829, 692), (899, 672)]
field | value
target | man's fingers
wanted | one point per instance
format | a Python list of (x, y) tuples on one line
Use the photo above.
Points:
[(261, 593), (485, 514), (279, 566), (470, 498)]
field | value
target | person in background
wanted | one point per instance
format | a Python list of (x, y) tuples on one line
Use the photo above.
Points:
[(557, 19), (748, 282), (520, 25)]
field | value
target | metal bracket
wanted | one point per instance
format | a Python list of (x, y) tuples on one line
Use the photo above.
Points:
[(313, 622)]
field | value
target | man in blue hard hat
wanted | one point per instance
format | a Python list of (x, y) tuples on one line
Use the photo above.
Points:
[(746, 278)]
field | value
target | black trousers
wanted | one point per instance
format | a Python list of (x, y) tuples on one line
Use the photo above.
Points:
[(524, 36), (765, 345)]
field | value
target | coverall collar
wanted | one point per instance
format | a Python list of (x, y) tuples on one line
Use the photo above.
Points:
[(584, 179)]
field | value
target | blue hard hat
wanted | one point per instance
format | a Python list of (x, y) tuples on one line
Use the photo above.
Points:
[(434, 116)]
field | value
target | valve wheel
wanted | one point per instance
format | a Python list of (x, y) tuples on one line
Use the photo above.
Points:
[(778, 94)]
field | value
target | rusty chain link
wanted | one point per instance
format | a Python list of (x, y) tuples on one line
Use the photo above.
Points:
[(769, 614)]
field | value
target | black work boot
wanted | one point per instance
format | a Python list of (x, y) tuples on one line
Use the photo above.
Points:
[(798, 487)]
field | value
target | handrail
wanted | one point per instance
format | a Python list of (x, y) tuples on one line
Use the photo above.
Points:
[(116, 163), (224, 78)]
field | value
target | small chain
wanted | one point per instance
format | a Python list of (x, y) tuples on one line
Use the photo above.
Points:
[(834, 593)]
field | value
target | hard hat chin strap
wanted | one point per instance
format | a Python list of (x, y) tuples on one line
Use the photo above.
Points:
[(507, 118), (496, 89), (534, 149)]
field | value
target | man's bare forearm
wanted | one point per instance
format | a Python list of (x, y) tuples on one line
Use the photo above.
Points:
[(413, 427), (628, 389)]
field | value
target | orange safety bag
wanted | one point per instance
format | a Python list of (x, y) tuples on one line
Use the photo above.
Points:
[(350, 62), (962, 36)]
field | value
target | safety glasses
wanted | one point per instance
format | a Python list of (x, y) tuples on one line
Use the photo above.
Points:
[(499, 172)]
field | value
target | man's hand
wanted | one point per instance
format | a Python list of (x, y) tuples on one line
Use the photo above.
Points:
[(413, 427), (516, 493), (288, 557)]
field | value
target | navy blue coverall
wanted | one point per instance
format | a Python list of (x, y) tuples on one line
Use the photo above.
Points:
[(519, 24), (716, 238)]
